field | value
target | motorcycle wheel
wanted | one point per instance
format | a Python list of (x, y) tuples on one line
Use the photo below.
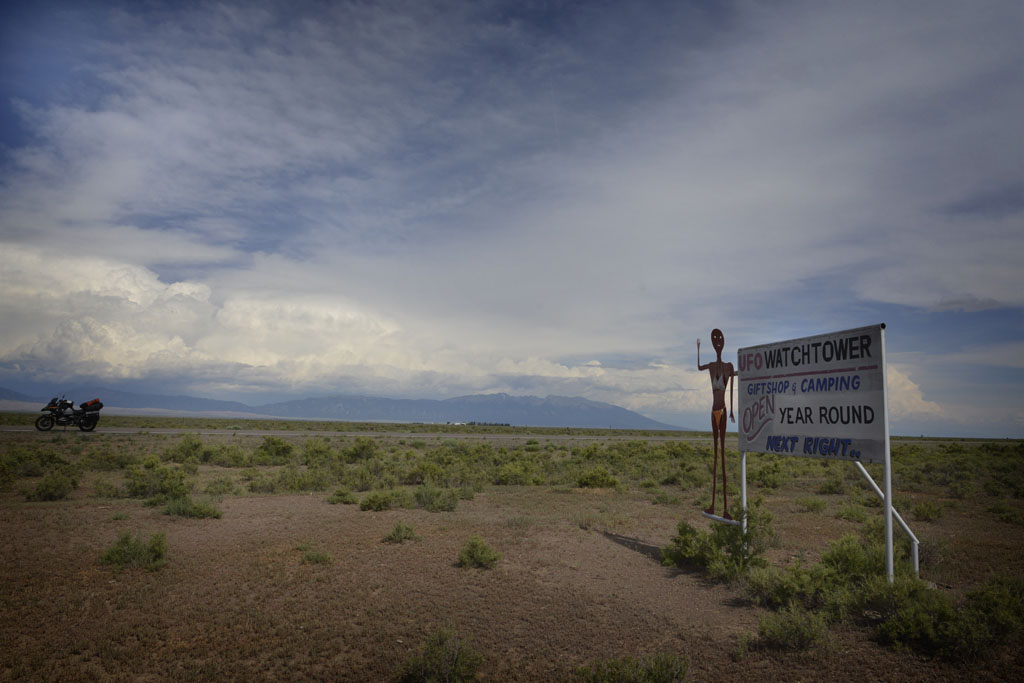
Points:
[(87, 424), (44, 423)]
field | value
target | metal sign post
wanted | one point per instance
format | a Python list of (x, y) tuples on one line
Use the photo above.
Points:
[(743, 489), (887, 470)]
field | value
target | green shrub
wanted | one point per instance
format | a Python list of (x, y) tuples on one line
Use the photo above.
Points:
[(994, 488), (854, 559), (292, 478), (134, 553), (476, 553), (25, 462), (273, 451), (811, 504), (56, 485), (106, 459), (961, 488), (317, 452), (221, 486), (597, 478), (1004, 512), (152, 479), (927, 511), (852, 513), (436, 500), (999, 604), (765, 586), (850, 580), (792, 628), (443, 657), (423, 472), (659, 668), (400, 534), (360, 478), (30, 468), (262, 483), (316, 557), (690, 547), (401, 498), (871, 500), (343, 496), (725, 552), (769, 476), (832, 486), (378, 501), (686, 478), (776, 588), (517, 473), (188, 446), (931, 624), (104, 489), (364, 448), (227, 455), (186, 507)]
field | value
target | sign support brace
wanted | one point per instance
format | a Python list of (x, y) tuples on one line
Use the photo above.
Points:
[(915, 543)]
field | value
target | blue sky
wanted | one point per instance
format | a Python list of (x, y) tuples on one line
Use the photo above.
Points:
[(428, 199)]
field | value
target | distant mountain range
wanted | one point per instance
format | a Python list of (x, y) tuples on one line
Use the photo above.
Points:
[(553, 411)]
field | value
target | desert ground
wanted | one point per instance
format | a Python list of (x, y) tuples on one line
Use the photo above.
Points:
[(284, 585)]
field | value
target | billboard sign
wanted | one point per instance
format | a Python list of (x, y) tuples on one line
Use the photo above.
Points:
[(821, 396)]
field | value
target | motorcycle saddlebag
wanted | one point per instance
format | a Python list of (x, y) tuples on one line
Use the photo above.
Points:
[(90, 406)]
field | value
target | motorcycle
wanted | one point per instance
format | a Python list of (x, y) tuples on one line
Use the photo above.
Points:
[(63, 412)]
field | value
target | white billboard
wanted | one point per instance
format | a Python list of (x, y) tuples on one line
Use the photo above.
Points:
[(821, 396)]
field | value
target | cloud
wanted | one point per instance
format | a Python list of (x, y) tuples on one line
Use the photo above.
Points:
[(431, 198), (906, 399), (119, 319), (1003, 355), (728, 195), (106, 319)]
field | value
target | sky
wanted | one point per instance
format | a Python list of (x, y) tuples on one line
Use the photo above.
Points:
[(431, 198)]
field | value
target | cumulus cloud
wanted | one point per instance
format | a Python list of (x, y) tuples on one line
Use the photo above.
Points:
[(906, 399), (113, 322)]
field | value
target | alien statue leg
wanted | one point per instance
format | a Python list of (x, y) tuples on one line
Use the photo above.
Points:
[(714, 467), (725, 490)]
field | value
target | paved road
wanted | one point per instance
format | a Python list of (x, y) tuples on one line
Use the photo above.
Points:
[(498, 436)]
